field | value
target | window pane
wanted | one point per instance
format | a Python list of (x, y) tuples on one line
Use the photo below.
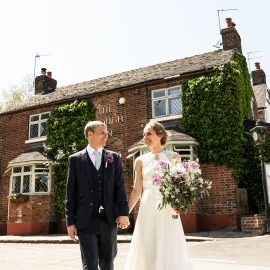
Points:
[(159, 108), (174, 91), (41, 183), (34, 131), (195, 150), (27, 168), (175, 106), (17, 169), (182, 150), (34, 118), (41, 168), (157, 94), (26, 183), (43, 129), (16, 184), (45, 116)]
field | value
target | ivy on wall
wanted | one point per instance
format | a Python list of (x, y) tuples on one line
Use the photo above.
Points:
[(65, 136), (249, 174), (266, 150), (214, 109)]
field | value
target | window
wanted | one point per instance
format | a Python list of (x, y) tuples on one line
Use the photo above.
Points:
[(38, 125), (187, 152), (166, 102), (30, 179)]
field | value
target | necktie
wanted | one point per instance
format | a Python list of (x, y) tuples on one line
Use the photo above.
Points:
[(97, 159)]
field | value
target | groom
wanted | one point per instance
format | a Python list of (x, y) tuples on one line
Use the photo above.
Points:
[(96, 201)]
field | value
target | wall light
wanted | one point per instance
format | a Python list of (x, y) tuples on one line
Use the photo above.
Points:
[(122, 101)]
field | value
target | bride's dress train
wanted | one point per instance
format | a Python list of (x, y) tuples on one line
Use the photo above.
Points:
[(158, 241)]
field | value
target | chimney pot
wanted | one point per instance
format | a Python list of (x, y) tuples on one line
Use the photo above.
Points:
[(257, 65), (43, 71), (229, 22), (230, 37)]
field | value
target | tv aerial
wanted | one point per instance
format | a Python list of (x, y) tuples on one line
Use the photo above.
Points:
[(250, 58), (37, 56), (224, 10)]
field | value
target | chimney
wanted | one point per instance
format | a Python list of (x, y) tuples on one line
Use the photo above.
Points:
[(45, 84), (258, 75), (230, 37)]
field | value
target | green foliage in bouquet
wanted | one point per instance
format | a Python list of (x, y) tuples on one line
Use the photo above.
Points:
[(65, 136)]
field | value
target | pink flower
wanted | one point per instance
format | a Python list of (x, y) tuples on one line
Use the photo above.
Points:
[(156, 179), (163, 164), (190, 165), (108, 158), (194, 165)]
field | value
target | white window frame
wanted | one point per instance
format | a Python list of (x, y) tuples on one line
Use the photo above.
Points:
[(32, 174), (38, 122), (166, 98), (191, 151)]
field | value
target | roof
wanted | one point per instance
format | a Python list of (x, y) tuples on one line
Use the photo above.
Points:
[(260, 91), (29, 157), (173, 137), (185, 66)]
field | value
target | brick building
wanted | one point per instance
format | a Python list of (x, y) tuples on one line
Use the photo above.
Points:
[(125, 102)]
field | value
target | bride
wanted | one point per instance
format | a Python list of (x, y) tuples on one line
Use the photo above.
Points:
[(158, 241)]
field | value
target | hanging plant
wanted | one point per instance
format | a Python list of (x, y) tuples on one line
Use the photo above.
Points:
[(18, 198)]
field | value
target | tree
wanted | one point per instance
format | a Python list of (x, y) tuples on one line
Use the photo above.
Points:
[(17, 93)]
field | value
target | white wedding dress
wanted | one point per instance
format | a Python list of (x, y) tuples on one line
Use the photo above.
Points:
[(158, 241)]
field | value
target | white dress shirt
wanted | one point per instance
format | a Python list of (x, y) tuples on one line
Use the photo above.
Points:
[(92, 155)]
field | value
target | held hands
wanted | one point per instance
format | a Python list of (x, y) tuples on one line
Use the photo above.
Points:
[(72, 232), (122, 222)]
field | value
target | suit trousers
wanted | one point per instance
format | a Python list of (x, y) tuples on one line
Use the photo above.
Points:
[(99, 246)]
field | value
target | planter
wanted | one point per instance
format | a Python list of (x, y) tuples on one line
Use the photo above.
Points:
[(255, 224), (18, 198)]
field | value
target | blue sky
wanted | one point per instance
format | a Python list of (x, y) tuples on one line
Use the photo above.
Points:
[(87, 39)]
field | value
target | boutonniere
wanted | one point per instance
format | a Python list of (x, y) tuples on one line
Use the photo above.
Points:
[(108, 158)]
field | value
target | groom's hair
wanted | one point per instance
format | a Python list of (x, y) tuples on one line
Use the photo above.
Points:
[(159, 129), (91, 126)]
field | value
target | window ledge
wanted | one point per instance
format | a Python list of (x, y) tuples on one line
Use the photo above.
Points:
[(166, 118), (43, 139), (31, 194)]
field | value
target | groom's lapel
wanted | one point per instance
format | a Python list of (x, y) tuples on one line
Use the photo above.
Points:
[(85, 164)]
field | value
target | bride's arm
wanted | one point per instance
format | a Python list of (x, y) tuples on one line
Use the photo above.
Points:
[(176, 156), (137, 187)]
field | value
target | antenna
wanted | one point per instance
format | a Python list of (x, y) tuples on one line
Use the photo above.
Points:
[(218, 44), (249, 58), (37, 56), (224, 10)]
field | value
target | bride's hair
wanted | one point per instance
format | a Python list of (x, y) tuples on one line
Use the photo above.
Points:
[(159, 129)]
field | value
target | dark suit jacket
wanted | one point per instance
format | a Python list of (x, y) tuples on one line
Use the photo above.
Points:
[(79, 196)]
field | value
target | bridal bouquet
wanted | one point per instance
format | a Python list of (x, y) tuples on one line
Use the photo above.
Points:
[(180, 183)]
